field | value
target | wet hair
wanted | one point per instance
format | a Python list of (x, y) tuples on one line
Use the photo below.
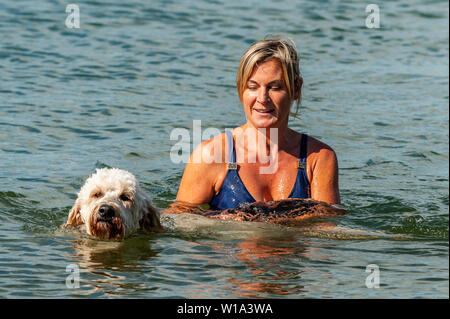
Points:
[(282, 49)]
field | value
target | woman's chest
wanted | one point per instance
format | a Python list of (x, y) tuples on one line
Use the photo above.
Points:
[(265, 183)]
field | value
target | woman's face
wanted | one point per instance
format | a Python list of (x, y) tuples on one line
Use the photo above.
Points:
[(265, 98)]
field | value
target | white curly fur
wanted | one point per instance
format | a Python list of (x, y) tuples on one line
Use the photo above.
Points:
[(119, 190)]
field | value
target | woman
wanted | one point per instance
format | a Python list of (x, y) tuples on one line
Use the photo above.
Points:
[(268, 83)]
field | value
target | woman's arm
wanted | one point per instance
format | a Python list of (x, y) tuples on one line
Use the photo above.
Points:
[(324, 173), (202, 173)]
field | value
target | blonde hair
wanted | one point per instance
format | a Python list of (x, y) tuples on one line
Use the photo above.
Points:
[(280, 48)]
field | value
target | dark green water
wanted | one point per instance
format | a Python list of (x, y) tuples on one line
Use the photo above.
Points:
[(111, 92)]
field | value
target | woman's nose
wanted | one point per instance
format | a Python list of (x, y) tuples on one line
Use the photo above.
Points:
[(263, 95)]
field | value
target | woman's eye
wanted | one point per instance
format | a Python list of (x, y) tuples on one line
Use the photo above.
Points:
[(124, 197), (252, 88)]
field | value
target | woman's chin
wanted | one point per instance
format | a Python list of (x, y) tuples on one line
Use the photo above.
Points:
[(264, 121)]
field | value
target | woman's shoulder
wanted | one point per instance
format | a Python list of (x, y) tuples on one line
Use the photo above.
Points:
[(323, 171), (203, 171), (211, 151), (315, 145), (320, 152)]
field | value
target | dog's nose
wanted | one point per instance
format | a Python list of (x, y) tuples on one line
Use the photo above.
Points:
[(106, 211)]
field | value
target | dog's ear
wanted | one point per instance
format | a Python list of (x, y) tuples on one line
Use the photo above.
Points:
[(74, 218), (150, 218)]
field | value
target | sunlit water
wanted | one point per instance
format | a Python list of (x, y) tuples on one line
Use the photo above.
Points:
[(111, 92)]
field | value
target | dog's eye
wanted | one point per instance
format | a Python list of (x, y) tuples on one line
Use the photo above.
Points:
[(97, 195), (124, 197)]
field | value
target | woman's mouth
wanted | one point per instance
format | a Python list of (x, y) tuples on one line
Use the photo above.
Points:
[(264, 111)]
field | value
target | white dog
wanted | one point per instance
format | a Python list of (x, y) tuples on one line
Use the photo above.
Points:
[(111, 205)]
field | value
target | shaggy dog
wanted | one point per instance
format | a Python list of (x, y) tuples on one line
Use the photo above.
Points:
[(111, 205)]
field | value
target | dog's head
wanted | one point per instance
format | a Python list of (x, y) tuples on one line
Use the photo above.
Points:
[(112, 205)]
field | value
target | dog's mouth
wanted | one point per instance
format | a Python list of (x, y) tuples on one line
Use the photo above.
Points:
[(106, 221), (106, 228)]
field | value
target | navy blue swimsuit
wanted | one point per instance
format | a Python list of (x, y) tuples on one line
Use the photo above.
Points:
[(234, 192)]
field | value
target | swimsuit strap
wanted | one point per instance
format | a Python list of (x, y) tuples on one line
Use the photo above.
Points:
[(303, 152), (231, 164), (303, 175)]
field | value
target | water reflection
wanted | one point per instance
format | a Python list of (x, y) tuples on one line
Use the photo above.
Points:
[(113, 267), (272, 267), (115, 255)]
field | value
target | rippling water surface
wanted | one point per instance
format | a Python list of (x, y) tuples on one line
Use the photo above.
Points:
[(110, 93)]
